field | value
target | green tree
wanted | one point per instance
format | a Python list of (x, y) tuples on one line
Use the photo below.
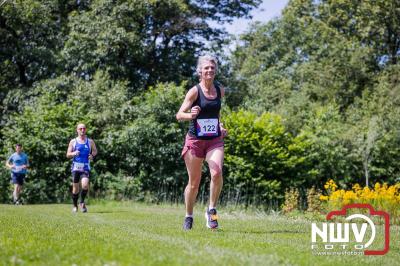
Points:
[(44, 128), (148, 147), (328, 68), (327, 154), (29, 37), (373, 124), (145, 42), (375, 24), (48, 121), (262, 158)]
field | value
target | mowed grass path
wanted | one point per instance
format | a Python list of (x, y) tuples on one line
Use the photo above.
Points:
[(139, 234)]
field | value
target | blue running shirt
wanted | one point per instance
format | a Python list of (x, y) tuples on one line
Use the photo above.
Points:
[(18, 160), (81, 162)]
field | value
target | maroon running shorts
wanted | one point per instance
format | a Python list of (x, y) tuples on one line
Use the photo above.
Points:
[(200, 147)]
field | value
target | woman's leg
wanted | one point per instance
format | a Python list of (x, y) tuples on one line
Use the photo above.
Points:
[(193, 166), (215, 160)]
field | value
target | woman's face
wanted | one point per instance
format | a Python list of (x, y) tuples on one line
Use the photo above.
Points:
[(208, 70)]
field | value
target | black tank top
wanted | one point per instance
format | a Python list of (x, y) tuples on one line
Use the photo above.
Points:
[(206, 124)]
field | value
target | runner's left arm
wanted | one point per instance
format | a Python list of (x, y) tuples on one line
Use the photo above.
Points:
[(26, 165), (223, 130), (93, 149)]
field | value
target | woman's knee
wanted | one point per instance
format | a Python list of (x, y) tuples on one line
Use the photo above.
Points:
[(216, 173)]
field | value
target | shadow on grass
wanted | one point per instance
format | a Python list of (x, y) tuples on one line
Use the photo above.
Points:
[(258, 232), (105, 212)]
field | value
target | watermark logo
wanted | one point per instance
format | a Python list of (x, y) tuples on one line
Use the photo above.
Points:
[(350, 237)]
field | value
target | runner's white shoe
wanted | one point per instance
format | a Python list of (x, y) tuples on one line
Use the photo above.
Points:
[(83, 207)]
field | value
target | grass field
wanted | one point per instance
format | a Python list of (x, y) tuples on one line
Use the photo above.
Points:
[(138, 234)]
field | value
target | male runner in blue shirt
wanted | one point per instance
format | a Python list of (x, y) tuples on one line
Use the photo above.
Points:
[(82, 150), (18, 163)]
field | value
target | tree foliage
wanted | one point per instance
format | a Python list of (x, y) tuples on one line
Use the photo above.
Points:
[(262, 158), (311, 95), (328, 67)]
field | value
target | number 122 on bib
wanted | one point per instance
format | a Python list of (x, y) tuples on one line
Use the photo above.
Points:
[(207, 127)]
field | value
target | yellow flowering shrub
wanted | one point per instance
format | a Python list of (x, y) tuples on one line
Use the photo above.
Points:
[(381, 197)]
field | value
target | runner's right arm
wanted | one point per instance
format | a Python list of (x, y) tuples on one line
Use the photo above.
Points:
[(9, 164), (70, 152), (183, 114)]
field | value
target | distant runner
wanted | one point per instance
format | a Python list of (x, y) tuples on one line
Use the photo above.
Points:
[(204, 141), (18, 163), (82, 150)]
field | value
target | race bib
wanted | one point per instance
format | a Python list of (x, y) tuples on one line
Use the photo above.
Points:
[(78, 167), (18, 168), (207, 127)]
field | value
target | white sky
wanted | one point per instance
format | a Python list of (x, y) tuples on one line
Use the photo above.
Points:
[(267, 10)]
